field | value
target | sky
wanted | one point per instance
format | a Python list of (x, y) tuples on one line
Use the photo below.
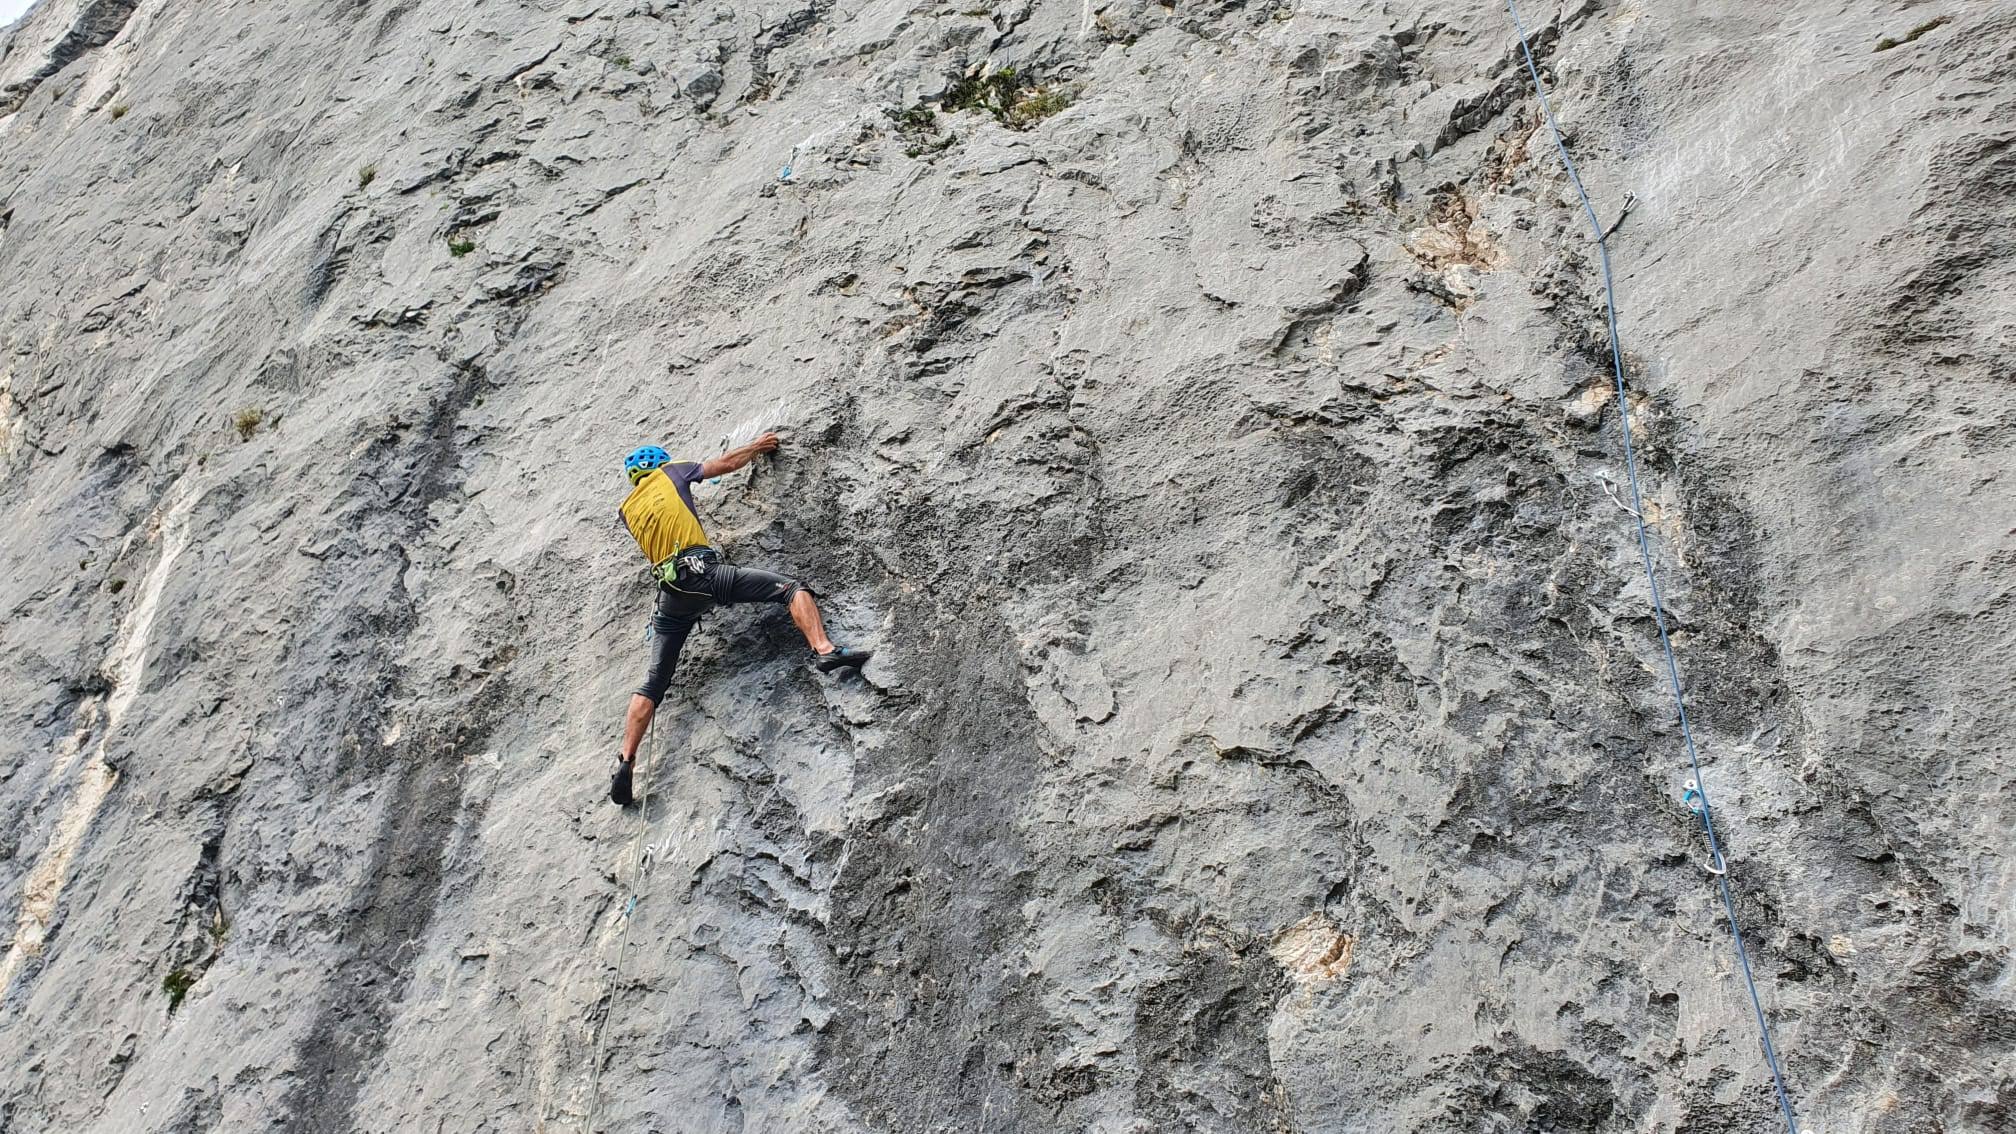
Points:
[(10, 10)]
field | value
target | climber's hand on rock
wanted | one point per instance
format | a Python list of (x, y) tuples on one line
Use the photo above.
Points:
[(740, 455)]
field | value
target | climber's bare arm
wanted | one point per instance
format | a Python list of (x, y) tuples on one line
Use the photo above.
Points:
[(737, 457)]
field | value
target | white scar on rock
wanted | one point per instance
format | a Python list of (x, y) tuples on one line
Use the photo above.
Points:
[(128, 661)]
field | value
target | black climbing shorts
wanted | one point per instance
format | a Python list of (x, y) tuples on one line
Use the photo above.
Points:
[(703, 582)]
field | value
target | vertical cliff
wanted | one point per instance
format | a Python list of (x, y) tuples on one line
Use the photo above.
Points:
[(1205, 410)]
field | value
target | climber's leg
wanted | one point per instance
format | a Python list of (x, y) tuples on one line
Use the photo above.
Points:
[(674, 619), (826, 656), (730, 585), (642, 708), (805, 615)]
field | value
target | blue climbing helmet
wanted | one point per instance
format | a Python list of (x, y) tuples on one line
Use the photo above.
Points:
[(643, 459)]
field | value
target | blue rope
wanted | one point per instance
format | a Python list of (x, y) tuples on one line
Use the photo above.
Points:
[(1700, 785)]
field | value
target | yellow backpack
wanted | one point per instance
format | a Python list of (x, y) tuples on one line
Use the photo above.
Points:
[(660, 521)]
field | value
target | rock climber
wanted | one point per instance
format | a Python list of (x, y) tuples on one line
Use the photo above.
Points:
[(692, 579)]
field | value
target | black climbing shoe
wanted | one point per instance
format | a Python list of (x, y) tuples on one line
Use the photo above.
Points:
[(619, 784), (841, 658)]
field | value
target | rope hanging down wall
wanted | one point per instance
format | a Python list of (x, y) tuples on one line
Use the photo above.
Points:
[(1697, 787), (640, 865)]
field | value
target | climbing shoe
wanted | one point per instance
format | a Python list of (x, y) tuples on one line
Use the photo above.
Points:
[(841, 658), (619, 784)]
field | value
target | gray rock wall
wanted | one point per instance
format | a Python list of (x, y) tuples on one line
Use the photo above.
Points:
[(1211, 428)]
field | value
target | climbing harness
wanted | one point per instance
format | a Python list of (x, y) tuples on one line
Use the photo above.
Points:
[(1697, 792)]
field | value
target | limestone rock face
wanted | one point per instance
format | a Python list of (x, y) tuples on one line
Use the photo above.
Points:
[(1209, 423)]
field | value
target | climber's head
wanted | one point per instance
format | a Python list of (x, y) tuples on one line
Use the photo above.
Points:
[(643, 459)]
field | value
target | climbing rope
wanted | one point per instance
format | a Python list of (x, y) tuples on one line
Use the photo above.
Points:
[(1697, 797), (637, 867)]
